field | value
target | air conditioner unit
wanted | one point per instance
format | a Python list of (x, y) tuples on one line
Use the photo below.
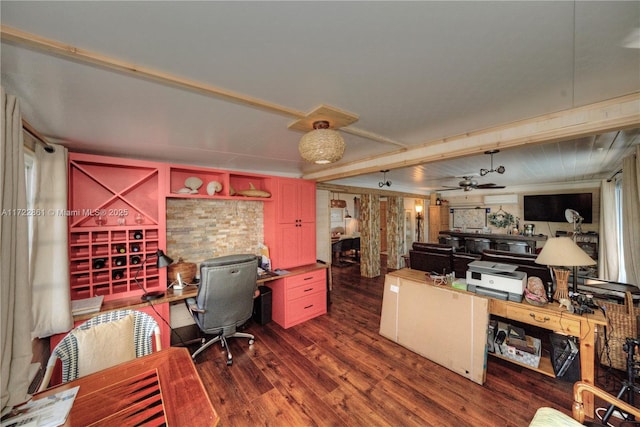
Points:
[(501, 199)]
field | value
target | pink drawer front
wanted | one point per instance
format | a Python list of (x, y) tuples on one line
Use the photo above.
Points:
[(300, 279), (306, 308), (306, 289)]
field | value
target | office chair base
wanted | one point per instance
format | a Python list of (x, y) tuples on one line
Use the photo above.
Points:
[(224, 344)]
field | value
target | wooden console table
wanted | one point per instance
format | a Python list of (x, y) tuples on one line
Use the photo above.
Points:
[(113, 396), (549, 317)]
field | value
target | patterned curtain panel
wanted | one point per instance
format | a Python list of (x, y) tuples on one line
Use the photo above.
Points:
[(370, 235), (395, 231)]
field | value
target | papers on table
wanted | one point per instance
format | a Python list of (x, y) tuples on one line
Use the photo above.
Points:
[(50, 411)]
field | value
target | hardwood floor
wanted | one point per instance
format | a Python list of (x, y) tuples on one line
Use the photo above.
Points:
[(337, 370)]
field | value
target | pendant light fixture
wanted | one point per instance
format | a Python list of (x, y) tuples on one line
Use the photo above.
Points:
[(322, 145)]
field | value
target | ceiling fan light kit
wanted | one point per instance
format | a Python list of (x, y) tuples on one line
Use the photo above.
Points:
[(322, 145), (385, 182), (500, 169)]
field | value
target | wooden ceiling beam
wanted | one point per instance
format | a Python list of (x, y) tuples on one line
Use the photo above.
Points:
[(605, 116)]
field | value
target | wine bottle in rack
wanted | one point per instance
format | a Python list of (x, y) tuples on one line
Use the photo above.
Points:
[(120, 261), (137, 234), (98, 263), (135, 247), (121, 249), (135, 260), (117, 274)]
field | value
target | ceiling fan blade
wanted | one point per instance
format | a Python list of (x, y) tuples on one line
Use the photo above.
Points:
[(489, 186), (447, 189)]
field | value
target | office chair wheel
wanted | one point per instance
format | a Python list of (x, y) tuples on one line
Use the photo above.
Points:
[(229, 361), (251, 341)]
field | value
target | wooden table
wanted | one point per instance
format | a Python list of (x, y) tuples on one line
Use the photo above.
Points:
[(549, 317), (161, 388)]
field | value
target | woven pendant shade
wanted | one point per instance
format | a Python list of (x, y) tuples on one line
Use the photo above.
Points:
[(322, 145)]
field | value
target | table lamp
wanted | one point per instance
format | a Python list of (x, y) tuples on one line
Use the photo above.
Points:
[(161, 262), (560, 252)]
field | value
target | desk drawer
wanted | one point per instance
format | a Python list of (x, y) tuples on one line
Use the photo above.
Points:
[(306, 308), (301, 279), (308, 288), (545, 319)]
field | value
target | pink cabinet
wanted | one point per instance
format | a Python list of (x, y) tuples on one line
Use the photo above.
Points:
[(298, 298), (290, 227)]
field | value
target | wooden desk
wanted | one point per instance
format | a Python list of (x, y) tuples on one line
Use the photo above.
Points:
[(550, 317), (112, 396), (171, 295)]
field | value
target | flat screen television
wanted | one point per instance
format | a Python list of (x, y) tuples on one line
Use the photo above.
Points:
[(551, 207)]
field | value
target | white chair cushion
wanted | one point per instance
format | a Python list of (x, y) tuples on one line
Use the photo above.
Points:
[(548, 417), (105, 345)]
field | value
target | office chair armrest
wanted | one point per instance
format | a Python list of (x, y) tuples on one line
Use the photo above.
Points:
[(193, 307), (578, 407)]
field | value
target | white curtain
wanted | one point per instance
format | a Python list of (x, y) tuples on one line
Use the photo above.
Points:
[(631, 216), (14, 278), (609, 268), (49, 251)]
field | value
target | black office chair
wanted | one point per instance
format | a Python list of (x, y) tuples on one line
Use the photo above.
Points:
[(336, 249), (347, 248), (225, 299), (356, 248)]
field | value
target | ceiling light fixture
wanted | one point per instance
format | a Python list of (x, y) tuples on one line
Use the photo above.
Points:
[(500, 169), (322, 145), (385, 181)]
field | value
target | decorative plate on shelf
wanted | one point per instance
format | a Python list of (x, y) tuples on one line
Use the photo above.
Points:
[(213, 187), (193, 183), (184, 190)]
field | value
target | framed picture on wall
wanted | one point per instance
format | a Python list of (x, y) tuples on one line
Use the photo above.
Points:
[(337, 214)]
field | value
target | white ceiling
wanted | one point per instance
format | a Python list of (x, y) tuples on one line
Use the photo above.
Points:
[(414, 72)]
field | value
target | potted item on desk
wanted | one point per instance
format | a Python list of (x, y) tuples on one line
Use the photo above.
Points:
[(187, 271)]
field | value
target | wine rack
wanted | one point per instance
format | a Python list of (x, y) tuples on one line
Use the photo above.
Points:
[(116, 225)]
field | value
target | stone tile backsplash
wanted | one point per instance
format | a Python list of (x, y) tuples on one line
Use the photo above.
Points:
[(199, 229)]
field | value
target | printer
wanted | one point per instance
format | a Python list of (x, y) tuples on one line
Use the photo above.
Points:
[(496, 280)]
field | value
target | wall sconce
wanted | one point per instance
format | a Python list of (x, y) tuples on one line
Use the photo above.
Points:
[(418, 220)]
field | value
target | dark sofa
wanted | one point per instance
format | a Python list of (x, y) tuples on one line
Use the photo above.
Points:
[(435, 257)]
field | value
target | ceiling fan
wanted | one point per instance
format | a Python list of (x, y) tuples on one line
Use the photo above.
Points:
[(468, 184)]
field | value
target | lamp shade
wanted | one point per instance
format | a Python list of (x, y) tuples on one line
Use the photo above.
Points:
[(163, 260), (562, 251), (321, 145)]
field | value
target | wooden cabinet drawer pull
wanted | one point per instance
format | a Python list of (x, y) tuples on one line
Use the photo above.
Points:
[(309, 306), (308, 278), (309, 289), (545, 319)]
